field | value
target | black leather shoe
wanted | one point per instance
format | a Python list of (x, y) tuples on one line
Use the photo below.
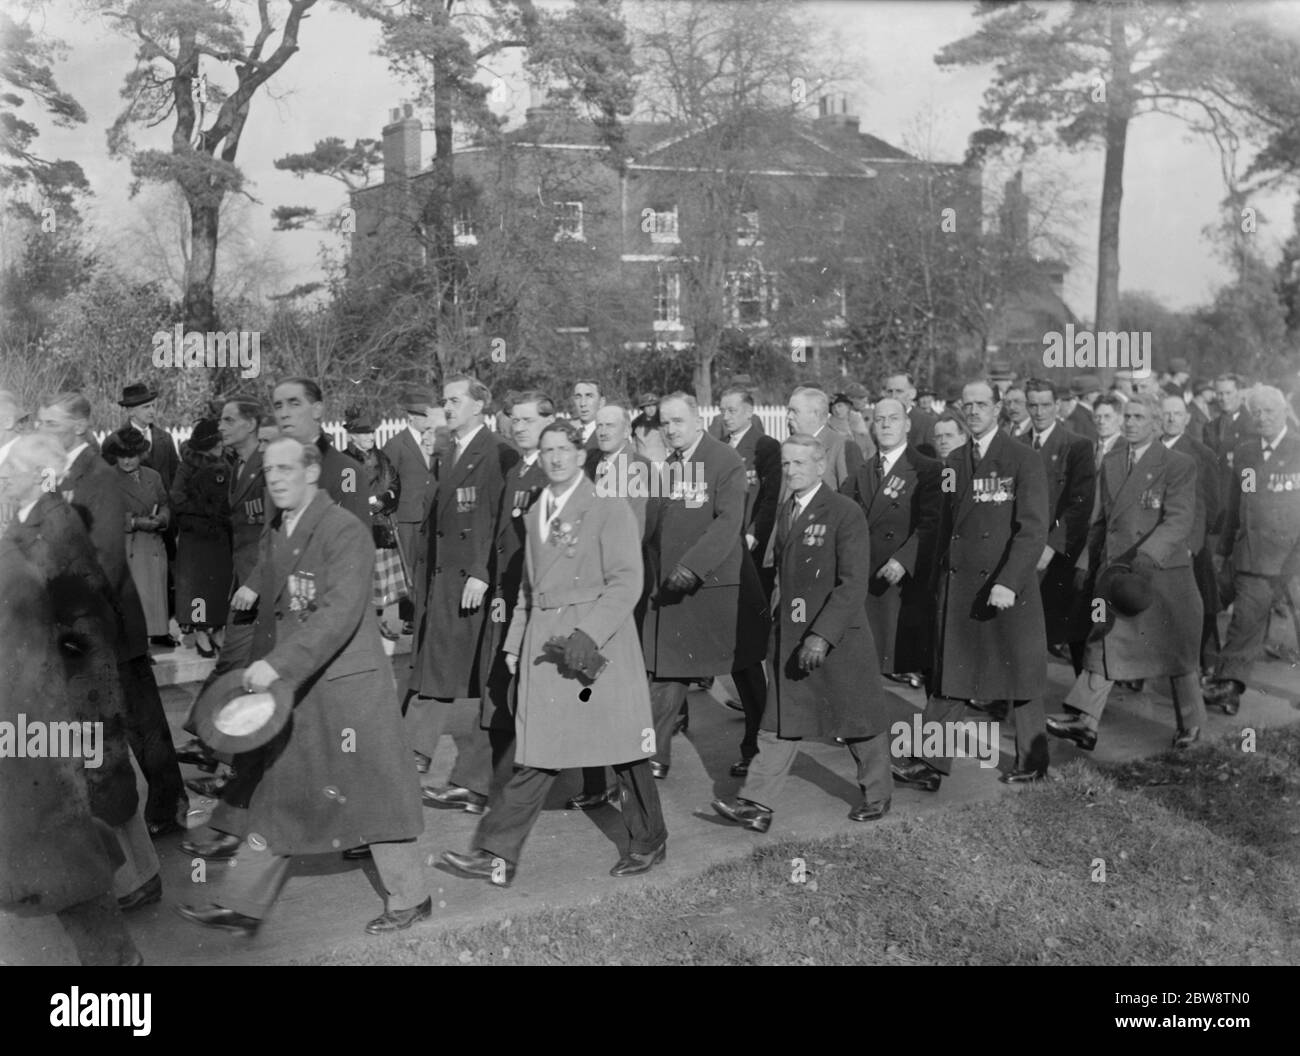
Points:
[(158, 829), (1022, 777), (408, 628), (632, 864), (221, 918), (453, 797), (359, 854), (422, 763), (164, 641), (146, 894), (909, 678), (1224, 693), (207, 652), (744, 813), (592, 800), (658, 770), (740, 769), (1231, 704), (211, 787), (196, 753), (870, 811), (1188, 737), (224, 846), (482, 866), (916, 774), (1073, 729), (385, 632), (401, 919)]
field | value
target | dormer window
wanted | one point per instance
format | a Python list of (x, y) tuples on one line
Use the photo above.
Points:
[(661, 224)]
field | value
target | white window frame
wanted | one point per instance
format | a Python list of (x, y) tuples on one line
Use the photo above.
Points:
[(749, 228), (565, 229), (665, 230), (752, 271), (668, 299), (464, 229)]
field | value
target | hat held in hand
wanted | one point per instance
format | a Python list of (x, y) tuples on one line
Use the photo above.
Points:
[(230, 719), (1127, 587)]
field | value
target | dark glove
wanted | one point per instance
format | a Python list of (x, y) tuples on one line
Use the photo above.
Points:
[(1144, 564), (580, 652), (682, 579), (812, 652)]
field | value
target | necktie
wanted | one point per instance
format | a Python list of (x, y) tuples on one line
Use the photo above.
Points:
[(877, 471), (602, 468), (455, 450), (1038, 442), (1100, 453), (1268, 450), (1129, 468)]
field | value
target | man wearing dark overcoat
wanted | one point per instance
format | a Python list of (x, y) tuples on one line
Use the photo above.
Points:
[(1143, 518), (90, 486), (707, 615), (455, 563), (990, 640), (1259, 550), (762, 457), (1071, 487), (826, 681), (338, 774), (415, 472), (898, 491)]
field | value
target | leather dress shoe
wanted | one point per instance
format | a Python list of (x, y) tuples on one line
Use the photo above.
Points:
[(865, 811), (741, 769), (632, 864), (165, 828), (211, 787), (1225, 694), (164, 641), (196, 753), (916, 774), (207, 652), (744, 813), (408, 628), (360, 854), (146, 894), (453, 797), (909, 678), (658, 770), (422, 762), (592, 800), (224, 846), (481, 866), (400, 919), (734, 705), (1188, 737), (1023, 777), (386, 632), (1073, 729), (221, 918)]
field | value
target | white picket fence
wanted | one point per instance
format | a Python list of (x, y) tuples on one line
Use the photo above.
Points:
[(771, 415)]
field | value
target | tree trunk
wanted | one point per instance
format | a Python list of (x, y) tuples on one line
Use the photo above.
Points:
[(443, 243), (201, 268), (1118, 114), (705, 353)]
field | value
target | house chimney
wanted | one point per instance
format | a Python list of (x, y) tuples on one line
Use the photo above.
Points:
[(833, 115), (401, 143)]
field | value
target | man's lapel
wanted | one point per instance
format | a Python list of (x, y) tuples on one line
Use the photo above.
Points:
[(905, 471), (571, 513), (454, 475), (1142, 477), (294, 548)]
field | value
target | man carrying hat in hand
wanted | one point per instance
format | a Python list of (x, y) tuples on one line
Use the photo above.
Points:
[(1143, 518), (337, 775)]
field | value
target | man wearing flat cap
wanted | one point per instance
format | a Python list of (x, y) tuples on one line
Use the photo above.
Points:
[(1143, 518), (338, 774)]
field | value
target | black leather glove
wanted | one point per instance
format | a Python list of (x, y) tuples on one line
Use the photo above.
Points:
[(580, 652), (1144, 564), (682, 579), (812, 652)]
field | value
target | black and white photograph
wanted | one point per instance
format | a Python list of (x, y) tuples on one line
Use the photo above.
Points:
[(652, 482)]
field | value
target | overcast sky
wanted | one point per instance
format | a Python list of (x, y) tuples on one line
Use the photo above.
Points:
[(337, 85)]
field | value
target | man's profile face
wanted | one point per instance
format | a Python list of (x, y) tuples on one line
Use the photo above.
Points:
[(802, 415), (145, 413), (234, 428)]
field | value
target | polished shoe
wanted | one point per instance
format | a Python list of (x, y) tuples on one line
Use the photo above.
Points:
[(196, 753), (207, 652), (658, 770), (916, 774), (741, 769), (400, 919), (744, 813), (481, 866), (422, 762), (221, 918), (386, 632), (909, 678), (682, 725), (146, 894), (408, 628), (1073, 728), (592, 800), (1223, 693), (1188, 737), (1023, 777), (734, 705), (211, 787), (453, 797), (632, 864), (870, 811), (164, 641), (164, 828), (224, 846), (358, 854)]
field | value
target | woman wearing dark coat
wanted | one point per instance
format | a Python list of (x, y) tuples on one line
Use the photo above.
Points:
[(384, 488), (200, 500), (147, 521)]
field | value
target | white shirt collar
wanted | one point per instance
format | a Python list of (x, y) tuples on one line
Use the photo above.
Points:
[(1042, 437), (735, 438), (73, 455), (557, 505), (291, 520), (1169, 441), (888, 458), (801, 504), (531, 458), (1138, 452), (463, 443), (1020, 428), (25, 510), (982, 444), (690, 451)]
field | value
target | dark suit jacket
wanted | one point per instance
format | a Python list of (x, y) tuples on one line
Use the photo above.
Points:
[(918, 435), (416, 478), (1209, 490), (249, 508), (1198, 422), (1071, 489), (345, 479), (1224, 434), (762, 457), (1081, 422), (92, 488), (1261, 530)]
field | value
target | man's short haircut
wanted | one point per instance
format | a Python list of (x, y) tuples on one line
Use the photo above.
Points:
[(588, 381), (1113, 401), (821, 402), (1040, 385), (1149, 400), (993, 388), (686, 397), (309, 386), (308, 454), (735, 390), (906, 375), (249, 410), (623, 410), (952, 414), (545, 405), (1234, 378), (1258, 395), (1200, 385), (477, 390), (72, 403), (566, 429), (809, 441)]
